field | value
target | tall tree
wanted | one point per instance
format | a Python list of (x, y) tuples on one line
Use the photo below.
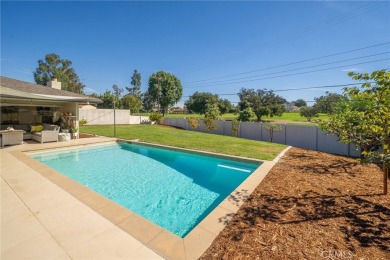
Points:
[(131, 102), (107, 98), (55, 67), (363, 118), (212, 111), (300, 103), (165, 89), (262, 101), (308, 112), (225, 106), (211, 114), (327, 103), (117, 92), (246, 112), (136, 83), (147, 102), (197, 102)]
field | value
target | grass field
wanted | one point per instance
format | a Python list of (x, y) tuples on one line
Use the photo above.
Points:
[(285, 118), (165, 135)]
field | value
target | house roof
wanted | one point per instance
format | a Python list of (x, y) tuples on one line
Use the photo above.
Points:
[(12, 88)]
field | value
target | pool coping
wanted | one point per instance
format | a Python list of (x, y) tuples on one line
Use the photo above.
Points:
[(161, 241)]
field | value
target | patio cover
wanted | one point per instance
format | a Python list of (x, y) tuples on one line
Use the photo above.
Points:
[(16, 89)]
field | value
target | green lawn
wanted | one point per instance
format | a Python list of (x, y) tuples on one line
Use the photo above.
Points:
[(285, 118), (164, 135)]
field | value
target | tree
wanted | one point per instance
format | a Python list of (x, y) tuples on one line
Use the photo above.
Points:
[(246, 113), (272, 128), (363, 118), (147, 102), (165, 89), (108, 100), (155, 117), (193, 122), (300, 103), (212, 111), (211, 114), (131, 102), (210, 124), (326, 104), (263, 102), (235, 127), (117, 92), (55, 67), (136, 83), (197, 102), (225, 106), (308, 112)]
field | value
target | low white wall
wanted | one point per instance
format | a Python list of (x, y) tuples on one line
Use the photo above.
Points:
[(136, 120), (106, 117)]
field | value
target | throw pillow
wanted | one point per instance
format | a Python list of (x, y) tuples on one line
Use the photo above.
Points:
[(36, 128)]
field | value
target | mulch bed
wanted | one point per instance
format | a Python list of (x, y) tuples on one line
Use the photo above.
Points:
[(312, 205), (84, 135)]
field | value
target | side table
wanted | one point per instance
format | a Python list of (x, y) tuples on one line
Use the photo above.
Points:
[(64, 137)]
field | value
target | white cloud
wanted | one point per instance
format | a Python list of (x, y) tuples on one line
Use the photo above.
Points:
[(350, 69)]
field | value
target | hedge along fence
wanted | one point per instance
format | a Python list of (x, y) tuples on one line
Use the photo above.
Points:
[(302, 136)]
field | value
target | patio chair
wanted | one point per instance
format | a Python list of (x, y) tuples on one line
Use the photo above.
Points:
[(47, 135)]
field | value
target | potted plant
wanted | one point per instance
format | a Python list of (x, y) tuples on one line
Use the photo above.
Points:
[(74, 131)]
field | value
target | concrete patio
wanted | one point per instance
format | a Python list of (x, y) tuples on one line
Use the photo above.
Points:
[(40, 220)]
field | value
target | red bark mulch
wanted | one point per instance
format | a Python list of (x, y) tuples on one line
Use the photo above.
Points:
[(312, 205)]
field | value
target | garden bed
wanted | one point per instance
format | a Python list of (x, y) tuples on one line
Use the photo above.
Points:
[(311, 205)]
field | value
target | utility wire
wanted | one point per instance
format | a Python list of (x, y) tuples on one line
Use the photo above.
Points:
[(292, 74), (278, 72), (304, 88), (292, 63), (303, 32)]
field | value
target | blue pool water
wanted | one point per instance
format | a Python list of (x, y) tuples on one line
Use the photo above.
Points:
[(174, 190)]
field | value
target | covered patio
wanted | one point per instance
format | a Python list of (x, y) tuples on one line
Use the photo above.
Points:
[(25, 105)]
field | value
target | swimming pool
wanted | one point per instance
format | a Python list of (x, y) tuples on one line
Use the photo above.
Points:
[(172, 189)]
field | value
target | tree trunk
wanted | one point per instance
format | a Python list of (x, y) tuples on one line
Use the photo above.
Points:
[(385, 176)]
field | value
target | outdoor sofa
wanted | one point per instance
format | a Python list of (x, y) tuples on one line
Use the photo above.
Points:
[(38, 132), (49, 133)]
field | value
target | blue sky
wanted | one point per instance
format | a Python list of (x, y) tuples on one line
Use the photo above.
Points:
[(202, 43)]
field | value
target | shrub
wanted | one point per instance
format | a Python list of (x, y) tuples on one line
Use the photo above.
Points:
[(235, 127), (193, 122), (83, 122), (246, 115), (210, 124), (308, 112), (155, 117)]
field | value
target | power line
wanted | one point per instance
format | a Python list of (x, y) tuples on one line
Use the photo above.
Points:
[(293, 89), (278, 72), (305, 31), (292, 74), (292, 63)]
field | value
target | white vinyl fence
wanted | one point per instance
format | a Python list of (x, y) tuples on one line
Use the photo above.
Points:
[(308, 137), (106, 117)]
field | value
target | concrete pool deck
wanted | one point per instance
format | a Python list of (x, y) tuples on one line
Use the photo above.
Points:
[(46, 215)]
